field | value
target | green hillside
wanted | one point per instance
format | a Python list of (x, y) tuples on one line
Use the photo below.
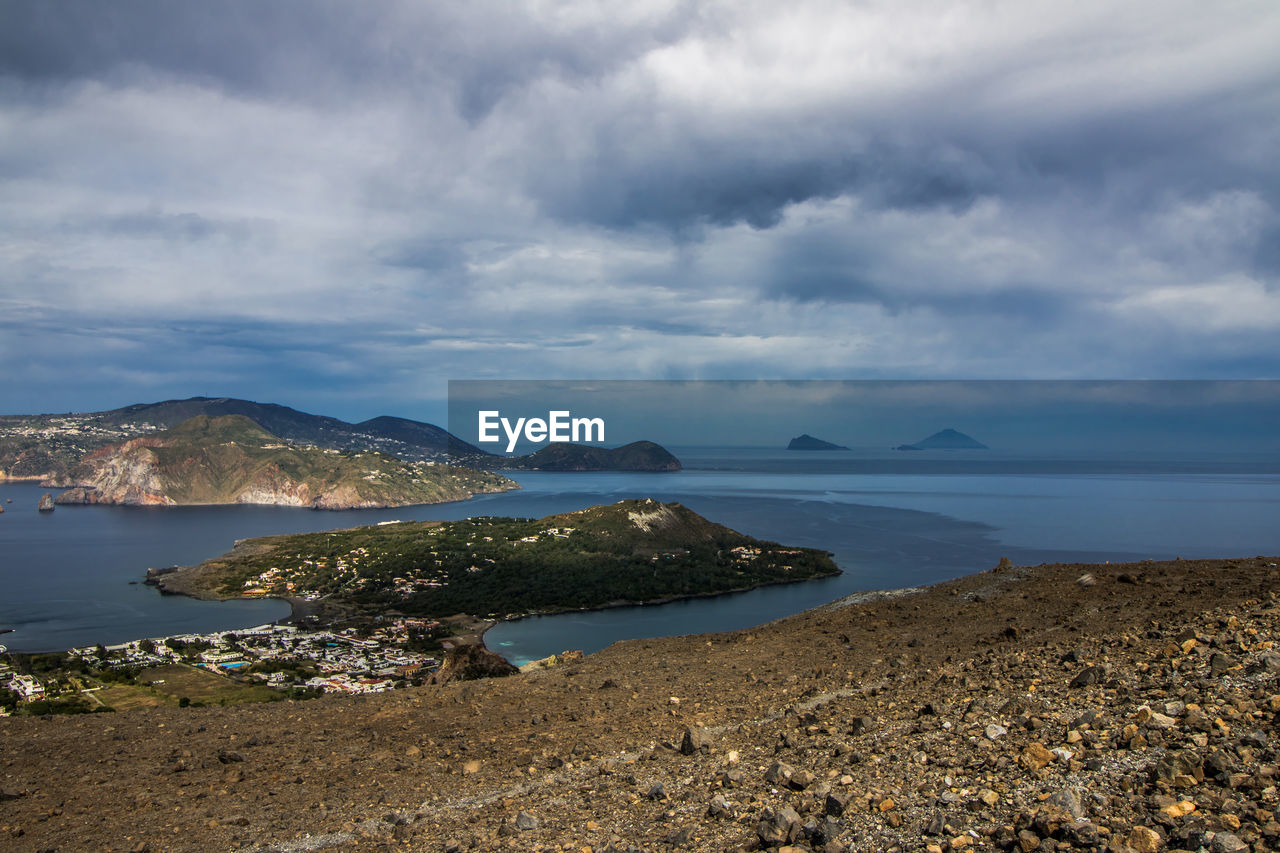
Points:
[(633, 551)]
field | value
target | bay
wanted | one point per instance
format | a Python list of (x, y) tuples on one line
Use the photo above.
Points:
[(891, 519)]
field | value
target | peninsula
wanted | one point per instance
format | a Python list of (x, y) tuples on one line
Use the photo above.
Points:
[(631, 552), (230, 459)]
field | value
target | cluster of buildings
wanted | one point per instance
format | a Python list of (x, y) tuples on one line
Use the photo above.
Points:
[(27, 687), (328, 660)]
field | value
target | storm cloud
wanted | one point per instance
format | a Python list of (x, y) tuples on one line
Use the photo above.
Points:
[(340, 206)]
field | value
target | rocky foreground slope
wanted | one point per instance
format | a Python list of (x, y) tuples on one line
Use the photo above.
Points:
[(1060, 707)]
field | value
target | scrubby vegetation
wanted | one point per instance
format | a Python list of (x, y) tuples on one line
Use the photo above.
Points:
[(633, 551)]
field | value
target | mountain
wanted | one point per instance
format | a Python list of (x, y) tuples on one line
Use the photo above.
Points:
[(231, 459), (808, 442), (637, 456), (633, 551), (947, 439), (47, 446)]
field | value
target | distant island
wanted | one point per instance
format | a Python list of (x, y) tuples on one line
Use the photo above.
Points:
[(47, 447), (630, 552), (562, 456), (947, 439), (808, 442), (231, 459)]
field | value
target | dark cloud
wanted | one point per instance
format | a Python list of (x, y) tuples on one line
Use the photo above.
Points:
[(363, 199)]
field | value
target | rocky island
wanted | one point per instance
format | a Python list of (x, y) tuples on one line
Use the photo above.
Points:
[(808, 442), (947, 439), (564, 456), (230, 459), (631, 552)]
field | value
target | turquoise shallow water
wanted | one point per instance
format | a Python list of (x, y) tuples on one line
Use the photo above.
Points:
[(891, 520)]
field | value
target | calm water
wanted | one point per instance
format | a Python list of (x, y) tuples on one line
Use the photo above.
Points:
[(891, 519)]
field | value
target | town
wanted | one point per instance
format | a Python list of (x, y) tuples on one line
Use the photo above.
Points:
[(290, 662)]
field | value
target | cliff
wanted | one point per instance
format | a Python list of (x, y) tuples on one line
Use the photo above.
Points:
[(231, 459)]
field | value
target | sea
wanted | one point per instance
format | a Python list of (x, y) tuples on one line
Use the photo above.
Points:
[(892, 519)]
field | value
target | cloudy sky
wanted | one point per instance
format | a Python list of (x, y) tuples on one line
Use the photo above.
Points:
[(340, 206)]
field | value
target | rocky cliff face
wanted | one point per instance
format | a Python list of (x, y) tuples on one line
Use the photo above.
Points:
[(470, 662), (232, 460), (120, 474)]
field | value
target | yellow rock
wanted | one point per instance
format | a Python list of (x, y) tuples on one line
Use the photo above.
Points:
[(960, 842), (1187, 646), (886, 804), (1035, 756), (1181, 809), (1144, 840), (471, 766)]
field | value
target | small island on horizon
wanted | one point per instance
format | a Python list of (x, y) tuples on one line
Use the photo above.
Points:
[(808, 442), (564, 456), (947, 439)]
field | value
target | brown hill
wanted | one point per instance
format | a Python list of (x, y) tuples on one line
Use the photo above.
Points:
[(230, 459), (1064, 707)]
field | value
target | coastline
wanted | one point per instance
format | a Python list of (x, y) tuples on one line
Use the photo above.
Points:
[(669, 599), (87, 494), (183, 580)]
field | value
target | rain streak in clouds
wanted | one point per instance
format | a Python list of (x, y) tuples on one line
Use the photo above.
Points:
[(340, 206)]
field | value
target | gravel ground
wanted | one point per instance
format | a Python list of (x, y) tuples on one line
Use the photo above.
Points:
[(1060, 707)]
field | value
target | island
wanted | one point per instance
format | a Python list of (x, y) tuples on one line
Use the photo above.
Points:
[(947, 439), (230, 459), (47, 448), (808, 442), (564, 456), (631, 552), (41, 447)]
